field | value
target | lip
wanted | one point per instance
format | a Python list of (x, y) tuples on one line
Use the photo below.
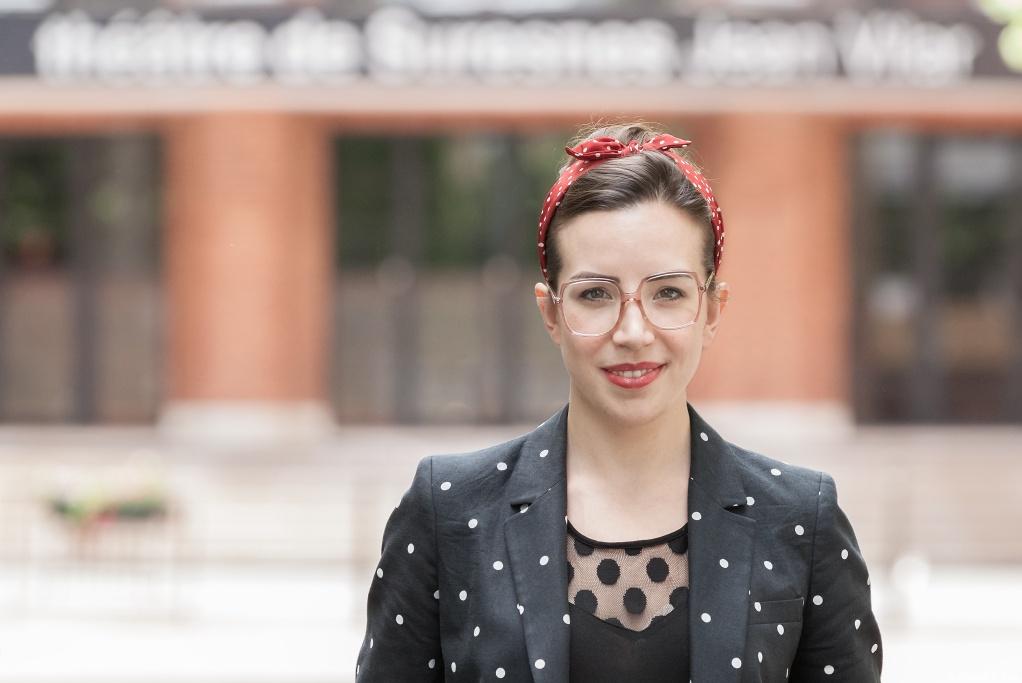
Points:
[(634, 382), (645, 365)]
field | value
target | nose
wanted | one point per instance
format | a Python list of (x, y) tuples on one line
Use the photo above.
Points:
[(633, 329)]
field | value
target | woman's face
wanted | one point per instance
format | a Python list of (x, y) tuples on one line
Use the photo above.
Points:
[(631, 244)]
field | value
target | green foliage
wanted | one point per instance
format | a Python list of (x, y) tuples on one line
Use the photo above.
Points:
[(33, 201), (972, 239), (459, 183), (87, 509), (362, 179)]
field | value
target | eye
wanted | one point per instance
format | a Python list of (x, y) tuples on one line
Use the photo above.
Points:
[(594, 294), (670, 293)]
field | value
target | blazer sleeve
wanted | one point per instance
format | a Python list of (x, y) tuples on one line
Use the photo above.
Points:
[(402, 638), (840, 639)]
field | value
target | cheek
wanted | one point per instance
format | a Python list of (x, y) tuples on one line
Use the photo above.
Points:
[(686, 344), (580, 351)]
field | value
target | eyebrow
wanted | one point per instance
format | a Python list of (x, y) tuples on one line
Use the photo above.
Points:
[(588, 274), (585, 274)]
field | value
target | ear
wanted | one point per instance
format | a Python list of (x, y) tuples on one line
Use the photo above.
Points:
[(548, 311), (714, 313)]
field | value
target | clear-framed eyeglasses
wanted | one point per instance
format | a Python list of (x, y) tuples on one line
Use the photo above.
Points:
[(592, 307)]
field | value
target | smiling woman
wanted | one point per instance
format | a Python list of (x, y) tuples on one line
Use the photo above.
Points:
[(638, 244), (713, 562)]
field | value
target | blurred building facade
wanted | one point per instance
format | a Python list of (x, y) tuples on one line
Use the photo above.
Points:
[(283, 217)]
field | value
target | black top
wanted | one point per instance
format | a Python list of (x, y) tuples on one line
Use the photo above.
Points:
[(629, 608)]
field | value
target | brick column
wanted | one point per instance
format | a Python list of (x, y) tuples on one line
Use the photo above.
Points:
[(783, 185), (248, 268)]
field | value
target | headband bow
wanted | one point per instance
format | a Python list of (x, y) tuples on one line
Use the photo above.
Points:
[(606, 147), (592, 152)]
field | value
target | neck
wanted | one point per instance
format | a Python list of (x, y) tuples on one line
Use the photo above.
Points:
[(650, 454)]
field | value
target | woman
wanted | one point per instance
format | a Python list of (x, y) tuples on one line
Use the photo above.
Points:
[(623, 539)]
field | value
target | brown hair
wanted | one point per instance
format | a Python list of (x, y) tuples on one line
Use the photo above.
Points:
[(628, 181)]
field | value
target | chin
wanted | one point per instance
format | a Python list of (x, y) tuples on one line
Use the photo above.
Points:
[(634, 410), (638, 413)]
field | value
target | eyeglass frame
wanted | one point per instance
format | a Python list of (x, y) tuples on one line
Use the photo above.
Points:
[(633, 296)]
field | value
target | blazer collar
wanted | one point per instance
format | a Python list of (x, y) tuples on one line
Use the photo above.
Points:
[(536, 527), (543, 462)]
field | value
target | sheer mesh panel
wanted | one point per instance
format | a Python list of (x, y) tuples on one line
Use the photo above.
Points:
[(630, 583)]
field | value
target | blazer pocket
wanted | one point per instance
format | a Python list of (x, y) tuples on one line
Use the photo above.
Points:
[(776, 611)]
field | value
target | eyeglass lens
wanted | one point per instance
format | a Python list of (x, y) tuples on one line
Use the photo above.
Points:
[(594, 306)]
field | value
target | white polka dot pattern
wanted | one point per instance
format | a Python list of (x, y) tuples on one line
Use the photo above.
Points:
[(839, 637), (590, 153), (829, 634), (404, 596)]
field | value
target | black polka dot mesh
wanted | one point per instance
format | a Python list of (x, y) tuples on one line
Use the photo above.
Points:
[(631, 583)]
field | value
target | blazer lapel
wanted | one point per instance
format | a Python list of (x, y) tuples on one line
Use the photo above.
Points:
[(536, 526), (717, 533), (535, 529)]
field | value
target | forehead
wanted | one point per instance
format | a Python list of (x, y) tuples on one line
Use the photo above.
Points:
[(634, 241)]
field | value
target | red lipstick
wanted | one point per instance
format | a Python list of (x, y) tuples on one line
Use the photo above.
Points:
[(650, 371)]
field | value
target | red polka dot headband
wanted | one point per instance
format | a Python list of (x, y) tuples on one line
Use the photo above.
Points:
[(592, 152)]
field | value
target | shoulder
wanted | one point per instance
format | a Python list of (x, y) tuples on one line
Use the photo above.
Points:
[(777, 482), (478, 474), (477, 464)]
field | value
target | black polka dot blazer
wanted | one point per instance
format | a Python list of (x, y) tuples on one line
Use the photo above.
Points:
[(472, 580)]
